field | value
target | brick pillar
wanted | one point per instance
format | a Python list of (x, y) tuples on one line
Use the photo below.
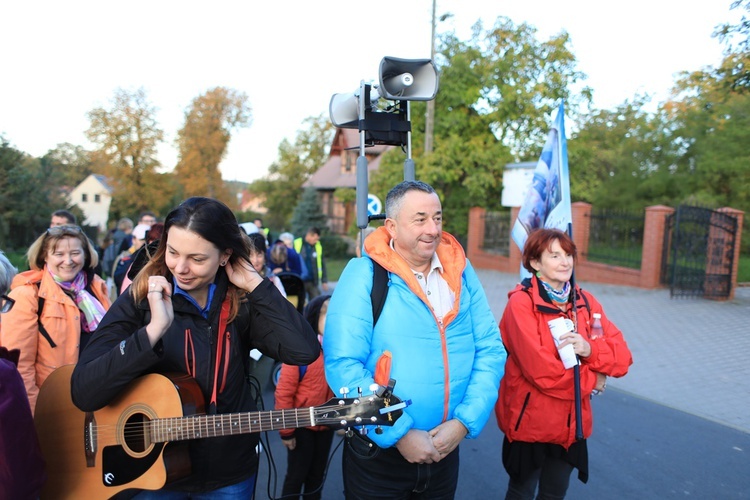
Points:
[(514, 253), (739, 215), (653, 245), (475, 237), (581, 214)]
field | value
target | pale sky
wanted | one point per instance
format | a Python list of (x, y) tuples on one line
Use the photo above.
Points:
[(61, 59)]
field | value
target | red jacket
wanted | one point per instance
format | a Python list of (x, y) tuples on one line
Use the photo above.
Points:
[(312, 390), (536, 402)]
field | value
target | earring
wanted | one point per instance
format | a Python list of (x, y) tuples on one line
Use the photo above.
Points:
[(538, 274), (224, 263)]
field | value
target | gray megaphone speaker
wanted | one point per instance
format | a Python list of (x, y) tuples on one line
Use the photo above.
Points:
[(344, 108), (408, 79)]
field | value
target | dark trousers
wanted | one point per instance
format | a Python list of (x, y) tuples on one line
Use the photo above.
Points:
[(306, 463), (371, 472), (312, 290), (553, 479)]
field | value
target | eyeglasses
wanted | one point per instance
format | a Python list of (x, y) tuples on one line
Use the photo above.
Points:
[(65, 229), (6, 303)]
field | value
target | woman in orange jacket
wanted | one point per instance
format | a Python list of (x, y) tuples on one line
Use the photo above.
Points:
[(58, 305), (301, 387)]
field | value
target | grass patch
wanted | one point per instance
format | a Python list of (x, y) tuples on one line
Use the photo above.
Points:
[(18, 259), (334, 268), (743, 271)]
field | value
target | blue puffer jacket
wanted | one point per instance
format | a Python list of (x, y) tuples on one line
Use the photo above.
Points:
[(448, 371)]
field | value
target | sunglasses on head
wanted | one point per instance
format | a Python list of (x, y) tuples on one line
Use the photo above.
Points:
[(65, 229)]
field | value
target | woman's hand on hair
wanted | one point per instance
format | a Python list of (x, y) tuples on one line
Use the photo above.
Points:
[(243, 275), (160, 302)]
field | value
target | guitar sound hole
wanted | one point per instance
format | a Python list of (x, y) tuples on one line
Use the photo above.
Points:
[(135, 436)]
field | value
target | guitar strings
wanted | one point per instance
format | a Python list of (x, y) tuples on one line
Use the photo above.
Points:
[(225, 420)]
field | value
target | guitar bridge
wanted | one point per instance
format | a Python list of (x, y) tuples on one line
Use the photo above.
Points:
[(89, 438)]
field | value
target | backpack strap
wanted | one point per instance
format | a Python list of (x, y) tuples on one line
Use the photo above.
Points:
[(379, 290), (39, 309), (377, 297)]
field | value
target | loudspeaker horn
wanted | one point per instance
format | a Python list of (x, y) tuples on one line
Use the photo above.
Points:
[(344, 108), (408, 79)]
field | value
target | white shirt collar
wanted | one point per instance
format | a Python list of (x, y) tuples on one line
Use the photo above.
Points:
[(434, 263)]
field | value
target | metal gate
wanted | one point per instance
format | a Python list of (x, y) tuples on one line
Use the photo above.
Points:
[(698, 253)]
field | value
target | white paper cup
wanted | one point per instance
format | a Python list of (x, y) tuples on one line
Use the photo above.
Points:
[(557, 327)]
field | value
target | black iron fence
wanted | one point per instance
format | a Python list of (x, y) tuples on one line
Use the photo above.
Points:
[(497, 232), (616, 237)]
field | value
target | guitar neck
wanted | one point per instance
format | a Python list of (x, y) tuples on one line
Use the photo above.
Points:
[(228, 424)]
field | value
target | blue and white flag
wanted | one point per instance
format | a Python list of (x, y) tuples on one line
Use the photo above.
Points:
[(547, 201)]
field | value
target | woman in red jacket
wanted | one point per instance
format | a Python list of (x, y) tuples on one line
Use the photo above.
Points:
[(300, 387), (536, 406)]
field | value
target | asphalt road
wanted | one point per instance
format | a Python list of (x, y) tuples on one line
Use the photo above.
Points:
[(639, 450)]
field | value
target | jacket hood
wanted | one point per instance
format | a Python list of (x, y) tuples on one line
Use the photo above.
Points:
[(27, 278), (377, 247)]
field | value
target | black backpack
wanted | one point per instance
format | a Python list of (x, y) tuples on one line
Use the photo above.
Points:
[(379, 290)]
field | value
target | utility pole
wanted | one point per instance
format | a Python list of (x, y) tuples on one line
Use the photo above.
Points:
[(430, 115)]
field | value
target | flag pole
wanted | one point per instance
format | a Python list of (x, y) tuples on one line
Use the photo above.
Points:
[(577, 367)]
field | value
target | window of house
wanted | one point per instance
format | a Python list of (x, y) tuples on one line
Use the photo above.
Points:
[(97, 198), (347, 161), (84, 197)]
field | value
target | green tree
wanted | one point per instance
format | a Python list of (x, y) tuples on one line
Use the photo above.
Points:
[(28, 196), (282, 186), (710, 117), (127, 136), (308, 213), (71, 163), (203, 140), (497, 91), (729, 33), (620, 158)]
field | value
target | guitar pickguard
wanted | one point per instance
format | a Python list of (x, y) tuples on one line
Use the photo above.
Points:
[(119, 468)]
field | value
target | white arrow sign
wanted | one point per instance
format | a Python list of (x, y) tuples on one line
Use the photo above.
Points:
[(374, 205)]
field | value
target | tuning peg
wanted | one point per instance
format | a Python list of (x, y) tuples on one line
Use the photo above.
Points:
[(374, 388), (359, 391), (344, 391), (378, 430), (349, 432), (363, 431)]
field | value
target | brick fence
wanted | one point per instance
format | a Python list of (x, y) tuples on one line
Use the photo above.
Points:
[(648, 276)]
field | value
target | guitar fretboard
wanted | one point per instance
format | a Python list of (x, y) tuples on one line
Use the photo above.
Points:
[(227, 424)]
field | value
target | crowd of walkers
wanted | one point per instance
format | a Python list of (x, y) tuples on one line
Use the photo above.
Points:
[(196, 292)]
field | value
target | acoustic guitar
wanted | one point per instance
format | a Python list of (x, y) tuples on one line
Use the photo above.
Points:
[(140, 439)]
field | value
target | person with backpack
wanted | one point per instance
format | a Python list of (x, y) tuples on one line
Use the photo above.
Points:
[(435, 336), (302, 387), (59, 303), (536, 407)]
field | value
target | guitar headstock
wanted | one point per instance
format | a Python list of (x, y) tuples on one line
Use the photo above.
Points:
[(373, 409)]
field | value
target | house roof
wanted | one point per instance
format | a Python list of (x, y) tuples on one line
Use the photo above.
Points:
[(103, 180), (330, 175)]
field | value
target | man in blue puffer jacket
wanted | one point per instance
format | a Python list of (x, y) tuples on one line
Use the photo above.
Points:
[(436, 336)]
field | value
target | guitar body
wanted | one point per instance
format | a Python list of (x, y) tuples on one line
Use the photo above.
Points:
[(98, 454), (140, 440)]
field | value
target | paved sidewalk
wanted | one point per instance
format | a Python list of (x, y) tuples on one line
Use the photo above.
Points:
[(689, 354)]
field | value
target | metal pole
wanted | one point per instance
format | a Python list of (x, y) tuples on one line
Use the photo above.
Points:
[(362, 188), (430, 115), (409, 169)]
